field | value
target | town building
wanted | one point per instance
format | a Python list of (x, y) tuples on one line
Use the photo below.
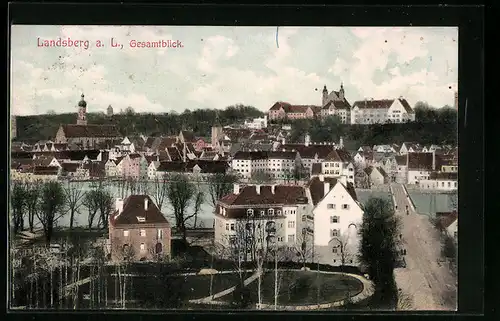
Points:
[(410, 147), (337, 218), (257, 123), (84, 135), (284, 110), (338, 163), (442, 181), (260, 216), (377, 175), (138, 231), (276, 164), (335, 104), (382, 111), (420, 166)]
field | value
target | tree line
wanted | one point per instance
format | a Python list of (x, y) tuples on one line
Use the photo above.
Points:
[(128, 122), (431, 126)]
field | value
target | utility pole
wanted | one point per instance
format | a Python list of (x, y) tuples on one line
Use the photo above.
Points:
[(275, 276)]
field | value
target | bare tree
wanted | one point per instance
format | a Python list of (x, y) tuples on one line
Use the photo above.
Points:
[(51, 207), (122, 187), (33, 195), (160, 190), (74, 197), (302, 249), (182, 193), (219, 185), (18, 203), (90, 201), (104, 203)]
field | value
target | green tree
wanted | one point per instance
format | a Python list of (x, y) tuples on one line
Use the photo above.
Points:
[(379, 237)]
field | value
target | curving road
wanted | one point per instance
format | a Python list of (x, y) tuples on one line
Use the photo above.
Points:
[(430, 284)]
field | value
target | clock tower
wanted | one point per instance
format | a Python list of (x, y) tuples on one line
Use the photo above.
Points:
[(82, 112)]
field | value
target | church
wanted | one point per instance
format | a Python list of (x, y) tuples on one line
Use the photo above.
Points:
[(84, 135)]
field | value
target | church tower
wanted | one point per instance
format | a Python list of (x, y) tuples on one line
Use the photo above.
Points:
[(325, 96), (341, 91), (82, 112), (109, 111), (217, 130)]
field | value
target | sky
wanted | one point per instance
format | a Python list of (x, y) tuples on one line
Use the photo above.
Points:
[(221, 66)]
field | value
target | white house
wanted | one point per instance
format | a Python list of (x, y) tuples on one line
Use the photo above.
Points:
[(338, 163), (372, 111), (420, 166), (278, 164), (257, 123), (408, 147), (110, 168), (443, 181), (152, 168), (337, 218)]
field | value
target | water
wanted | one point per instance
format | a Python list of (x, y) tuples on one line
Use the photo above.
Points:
[(205, 214), (429, 204), (365, 195)]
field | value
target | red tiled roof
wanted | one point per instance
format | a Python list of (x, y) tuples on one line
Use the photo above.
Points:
[(318, 190), (283, 195), (339, 155), (133, 206)]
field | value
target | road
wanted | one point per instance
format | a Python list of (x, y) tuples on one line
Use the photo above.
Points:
[(430, 284)]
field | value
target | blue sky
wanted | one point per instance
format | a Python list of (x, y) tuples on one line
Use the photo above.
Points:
[(222, 66)]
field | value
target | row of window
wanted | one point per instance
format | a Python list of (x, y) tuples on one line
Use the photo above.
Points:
[(142, 233), (334, 206)]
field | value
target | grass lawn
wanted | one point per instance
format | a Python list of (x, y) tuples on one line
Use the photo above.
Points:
[(303, 287)]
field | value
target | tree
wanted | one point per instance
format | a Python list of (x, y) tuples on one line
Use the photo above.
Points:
[(74, 198), (261, 177), (160, 189), (379, 238), (51, 207), (18, 204), (219, 185), (182, 193), (90, 201), (33, 194), (453, 200), (104, 203), (303, 247)]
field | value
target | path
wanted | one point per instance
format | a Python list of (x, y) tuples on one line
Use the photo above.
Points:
[(431, 285)]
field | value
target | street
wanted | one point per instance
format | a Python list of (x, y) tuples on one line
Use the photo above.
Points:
[(430, 284)]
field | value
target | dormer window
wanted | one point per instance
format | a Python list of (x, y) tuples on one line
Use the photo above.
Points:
[(250, 212), (262, 213), (270, 212), (141, 219), (278, 212)]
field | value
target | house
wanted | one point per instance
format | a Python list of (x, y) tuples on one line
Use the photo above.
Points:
[(337, 217), (112, 169), (257, 123), (363, 159), (361, 179), (260, 215), (90, 169), (443, 181), (377, 175), (408, 147), (135, 166), (138, 230), (382, 111), (448, 222), (309, 153), (152, 169), (69, 169), (402, 169), (339, 163), (420, 166), (390, 166), (201, 143), (281, 110), (279, 165)]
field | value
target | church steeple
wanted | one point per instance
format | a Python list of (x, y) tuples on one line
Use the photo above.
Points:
[(82, 112), (341, 91), (324, 100)]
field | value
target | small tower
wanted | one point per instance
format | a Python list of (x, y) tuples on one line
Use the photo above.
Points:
[(82, 112), (341, 91), (109, 111), (307, 139), (325, 96), (217, 130)]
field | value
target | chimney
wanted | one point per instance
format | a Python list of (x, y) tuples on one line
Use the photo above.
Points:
[(321, 178), (236, 189), (326, 185), (257, 189), (146, 203), (119, 205), (272, 189), (343, 179)]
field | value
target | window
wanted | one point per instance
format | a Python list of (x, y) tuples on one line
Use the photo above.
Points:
[(262, 213), (345, 206), (291, 224), (227, 227), (143, 232), (291, 238), (232, 227), (125, 233), (330, 206), (334, 250), (250, 212), (270, 212), (143, 247), (455, 184), (449, 184), (334, 233), (334, 219)]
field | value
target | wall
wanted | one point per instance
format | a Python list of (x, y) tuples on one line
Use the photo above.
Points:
[(135, 239)]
